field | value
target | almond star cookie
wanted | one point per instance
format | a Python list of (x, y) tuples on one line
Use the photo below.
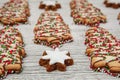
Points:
[(56, 60), (112, 3), (49, 5)]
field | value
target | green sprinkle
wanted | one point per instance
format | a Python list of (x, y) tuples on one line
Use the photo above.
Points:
[(13, 41), (107, 67), (1, 52), (10, 34), (96, 34), (101, 34), (3, 46), (7, 27), (19, 48), (96, 70), (9, 54)]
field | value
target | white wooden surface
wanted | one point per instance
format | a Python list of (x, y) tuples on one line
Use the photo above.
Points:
[(80, 70)]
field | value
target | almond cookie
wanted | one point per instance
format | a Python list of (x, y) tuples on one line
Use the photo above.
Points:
[(49, 5), (112, 3), (56, 60)]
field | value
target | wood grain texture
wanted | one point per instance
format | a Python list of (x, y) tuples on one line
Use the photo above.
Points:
[(80, 70)]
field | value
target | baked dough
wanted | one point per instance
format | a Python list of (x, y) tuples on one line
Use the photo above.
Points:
[(49, 5), (85, 13), (11, 51), (112, 3), (51, 30), (104, 50), (14, 11), (56, 60)]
